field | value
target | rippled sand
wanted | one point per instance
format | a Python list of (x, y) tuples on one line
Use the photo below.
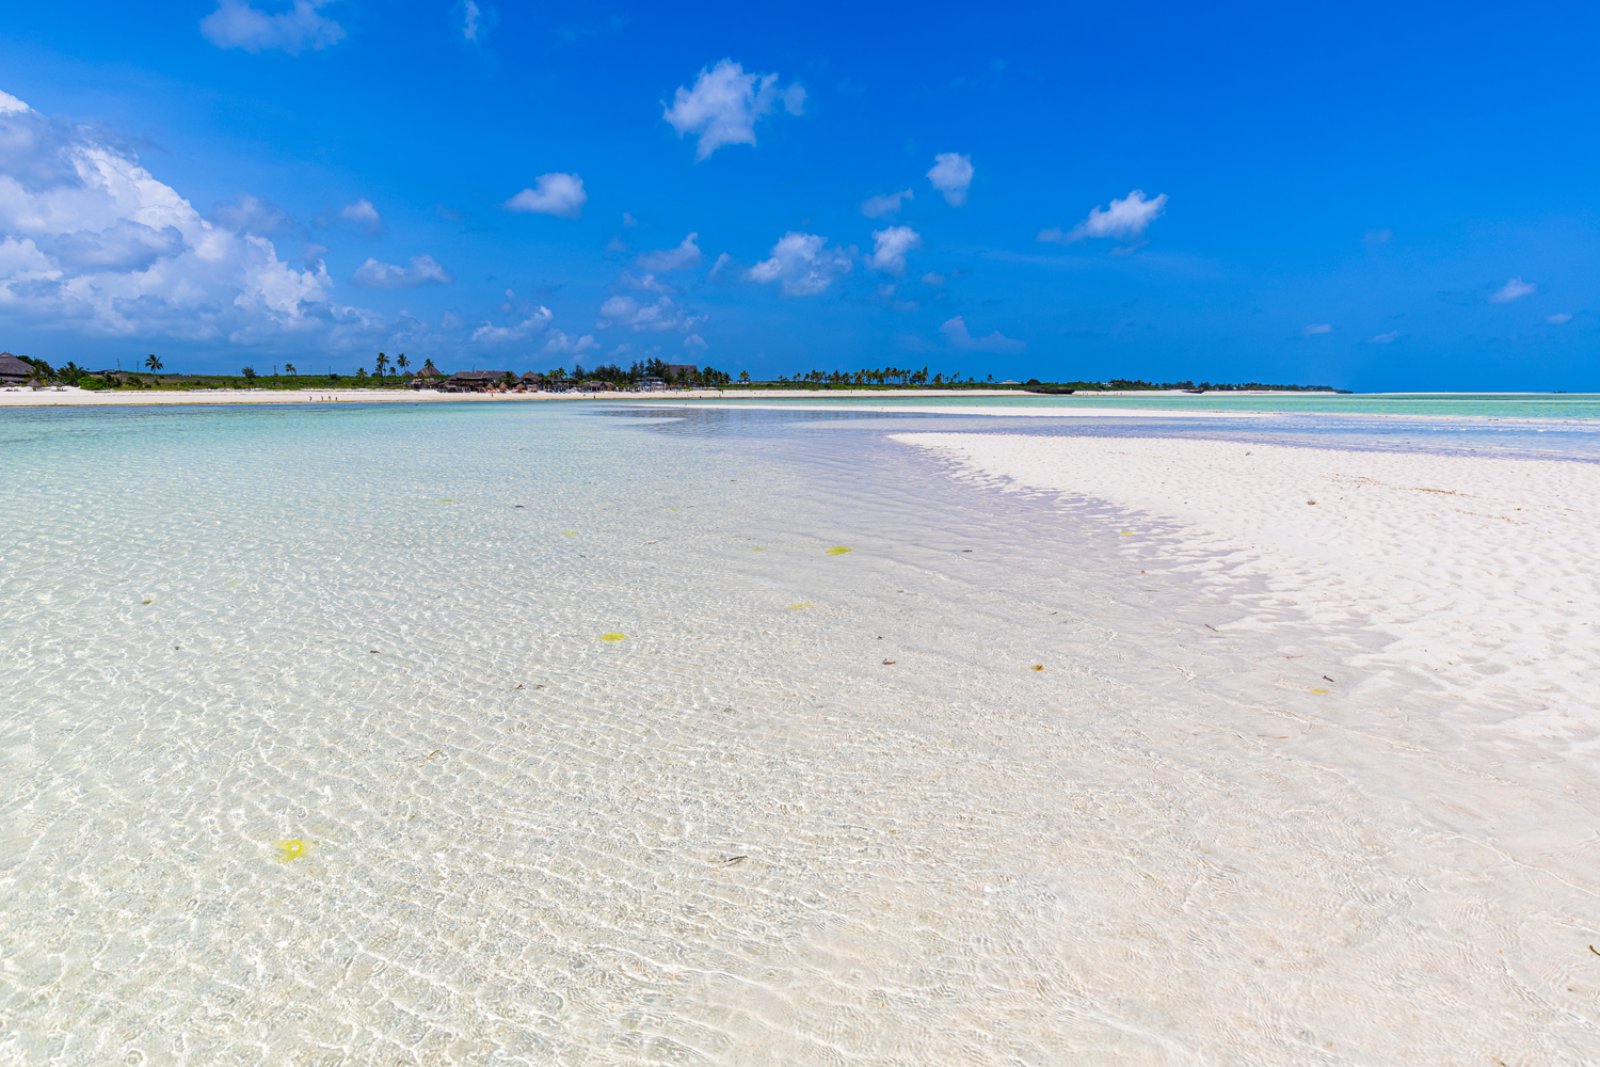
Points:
[(314, 753)]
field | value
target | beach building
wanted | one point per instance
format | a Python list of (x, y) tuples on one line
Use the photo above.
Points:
[(14, 370), (532, 381), (475, 381), (427, 378)]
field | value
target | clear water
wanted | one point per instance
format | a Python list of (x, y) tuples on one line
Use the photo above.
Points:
[(314, 751), (1558, 406)]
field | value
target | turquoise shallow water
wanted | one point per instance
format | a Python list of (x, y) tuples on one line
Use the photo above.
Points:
[(1563, 406), (815, 807)]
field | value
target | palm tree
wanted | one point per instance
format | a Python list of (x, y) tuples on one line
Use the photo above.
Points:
[(288, 368), (427, 364), (153, 363), (380, 363), (401, 361)]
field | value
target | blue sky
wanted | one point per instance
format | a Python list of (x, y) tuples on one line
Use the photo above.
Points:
[(1368, 195)]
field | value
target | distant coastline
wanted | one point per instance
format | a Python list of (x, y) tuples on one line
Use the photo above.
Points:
[(71, 397)]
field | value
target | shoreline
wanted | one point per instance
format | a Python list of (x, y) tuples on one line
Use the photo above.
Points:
[(71, 397)]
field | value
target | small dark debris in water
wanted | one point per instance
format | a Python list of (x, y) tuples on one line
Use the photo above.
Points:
[(149, 600), (1213, 629), (1596, 951), (520, 685), (1325, 678), (518, 507), (888, 663), (373, 651), (966, 550), (1311, 503), (734, 861)]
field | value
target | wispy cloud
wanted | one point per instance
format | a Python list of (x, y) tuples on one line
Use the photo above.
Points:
[(658, 316), (535, 323), (1513, 289), (561, 195), (951, 174), (1317, 329), (362, 214), (684, 256), (725, 103), (1387, 338), (1560, 318), (239, 24), (1126, 219), (958, 336), (423, 270), (886, 204), (476, 21)]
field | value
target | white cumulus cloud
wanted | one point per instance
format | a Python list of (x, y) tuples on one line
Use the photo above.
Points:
[(423, 270), (561, 195), (1124, 220), (725, 103), (1513, 289), (239, 24), (885, 204), (889, 248), (956, 333), (654, 317), (565, 343), (951, 174), (1317, 329), (536, 322), (686, 255), (90, 237), (802, 264)]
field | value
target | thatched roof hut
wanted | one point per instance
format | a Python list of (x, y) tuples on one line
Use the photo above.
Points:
[(14, 370)]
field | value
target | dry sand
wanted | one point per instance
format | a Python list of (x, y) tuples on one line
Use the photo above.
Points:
[(1453, 604)]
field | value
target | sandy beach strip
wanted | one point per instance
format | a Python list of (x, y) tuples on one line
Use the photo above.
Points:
[(1450, 605), (1477, 572), (795, 400), (71, 397)]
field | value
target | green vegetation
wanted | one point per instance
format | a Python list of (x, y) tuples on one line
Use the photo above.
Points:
[(392, 373)]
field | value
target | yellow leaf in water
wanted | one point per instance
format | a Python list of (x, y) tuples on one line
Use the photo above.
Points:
[(803, 605), (290, 850), (569, 533), (758, 548), (1322, 692), (839, 550), (1125, 533), (1038, 666), (447, 500), (613, 636)]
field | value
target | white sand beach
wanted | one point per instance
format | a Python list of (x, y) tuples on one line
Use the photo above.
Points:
[(1450, 606), (74, 397)]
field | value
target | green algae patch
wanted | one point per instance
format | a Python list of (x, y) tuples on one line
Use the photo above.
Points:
[(839, 550), (447, 500), (291, 849), (613, 636)]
